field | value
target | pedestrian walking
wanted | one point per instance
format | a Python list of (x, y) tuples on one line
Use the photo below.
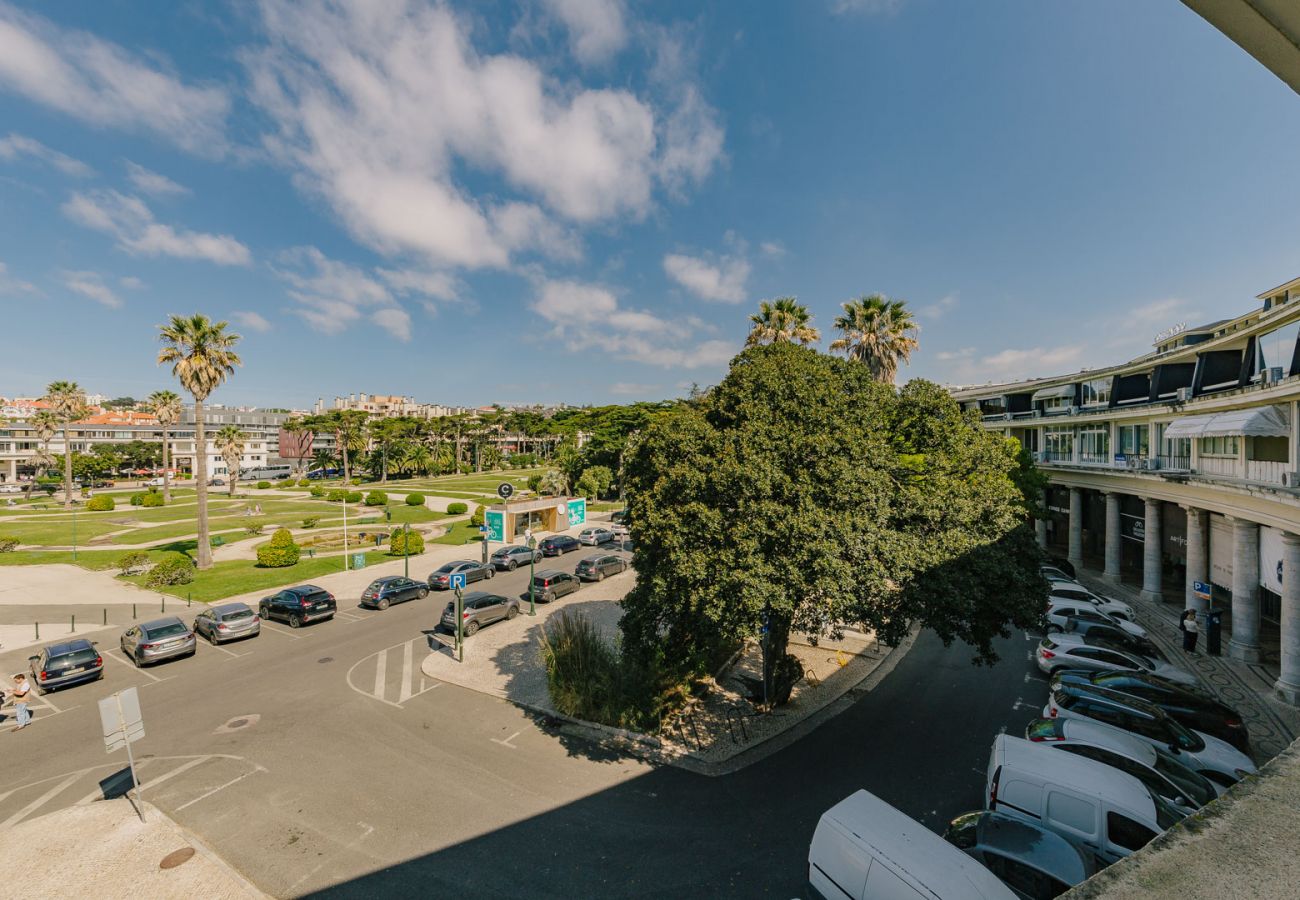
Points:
[(1191, 631), (22, 688)]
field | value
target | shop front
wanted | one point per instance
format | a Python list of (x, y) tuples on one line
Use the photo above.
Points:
[(510, 522)]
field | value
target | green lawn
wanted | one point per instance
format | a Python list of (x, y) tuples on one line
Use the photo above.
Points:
[(38, 532), (226, 579), (460, 533)]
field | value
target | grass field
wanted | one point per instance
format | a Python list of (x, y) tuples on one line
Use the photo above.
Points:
[(460, 533), (226, 579)]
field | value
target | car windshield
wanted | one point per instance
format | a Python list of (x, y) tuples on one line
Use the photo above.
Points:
[(75, 658), (1166, 816), (1185, 737), (449, 567), (505, 551), (376, 585), (161, 631), (1041, 730), (1192, 785), (236, 615)]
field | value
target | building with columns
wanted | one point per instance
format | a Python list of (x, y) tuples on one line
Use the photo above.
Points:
[(1181, 467)]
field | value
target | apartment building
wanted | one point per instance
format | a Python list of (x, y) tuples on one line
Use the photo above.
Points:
[(392, 406), (1179, 468)]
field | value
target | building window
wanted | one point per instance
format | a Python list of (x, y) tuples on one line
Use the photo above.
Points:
[(1276, 349), (1131, 440), (1056, 404), (1094, 444), (1226, 445), (1096, 392), (1058, 444)]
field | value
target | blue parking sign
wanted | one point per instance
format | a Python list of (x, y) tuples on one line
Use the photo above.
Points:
[(458, 580)]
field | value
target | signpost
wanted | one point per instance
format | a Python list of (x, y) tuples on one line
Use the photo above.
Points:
[(458, 585), (495, 522), (122, 725), (505, 490)]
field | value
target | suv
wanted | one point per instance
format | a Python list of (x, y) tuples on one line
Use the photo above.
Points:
[(558, 545), (392, 589), (599, 565), (63, 665), (551, 584), (510, 558), (299, 605), (158, 640), (478, 609)]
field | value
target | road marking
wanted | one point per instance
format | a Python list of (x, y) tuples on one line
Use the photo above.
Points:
[(404, 693), (288, 634), (150, 783), (123, 660), (381, 673), (506, 742), (39, 801), (1020, 704), (45, 701), (225, 651), (351, 616), (1028, 677), (229, 783)]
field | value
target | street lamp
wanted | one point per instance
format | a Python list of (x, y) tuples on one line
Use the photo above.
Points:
[(532, 565)]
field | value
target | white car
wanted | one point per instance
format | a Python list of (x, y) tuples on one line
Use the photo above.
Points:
[(11, 488), (156, 482), (1216, 759), (1059, 611), (1111, 607), (1081, 651)]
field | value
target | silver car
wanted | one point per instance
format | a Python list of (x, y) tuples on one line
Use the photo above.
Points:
[(478, 609), (594, 537), (1082, 651), (158, 640), (1031, 860), (227, 622)]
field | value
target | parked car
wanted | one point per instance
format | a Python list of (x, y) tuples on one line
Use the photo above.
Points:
[(1109, 812), (227, 622), (1060, 609), (216, 482), (600, 565), (478, 609), (156, 482), (510, 558), (1055, 575), (10, 488), (1156, 767), (1217, 760), (383, 592), (1109, 631), (550, 584), (1189, 706), (558, 545), (876, 851), (299, 605), (1076, 651), (1060, 562), (440, 580), (1117, 608), (1033, 861), (594, 537), (158, 640), (65, 664), (619, 517), (317, 474)]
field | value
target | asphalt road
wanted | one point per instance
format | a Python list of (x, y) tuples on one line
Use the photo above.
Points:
[(321, 760)]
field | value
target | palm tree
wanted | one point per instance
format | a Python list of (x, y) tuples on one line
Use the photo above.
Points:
[(68, 403), (421, 458), (878, 332), (323, 459), (202, 357), (166, 407), (230, 444), (784, 320)]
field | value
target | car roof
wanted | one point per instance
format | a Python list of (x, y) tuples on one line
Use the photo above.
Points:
[(549, 573), (1046, 849), (158, 623), (1090, 731), (592, 557), (230, 607), (303, 589), (69, 647), (474, 595), (1088, 690), (1087, 776)]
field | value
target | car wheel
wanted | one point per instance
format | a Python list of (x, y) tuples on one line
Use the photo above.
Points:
[(492, 573), (513, 565), (295, 621), (512, 612), (423, 592), (139, 663), (383, 604), (471, 629), (600, 576)]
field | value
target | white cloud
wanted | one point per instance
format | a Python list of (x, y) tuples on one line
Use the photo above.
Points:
[(415, 282), (1015, 364), (331, 294), (772, 249), (18, 145), (91, 284), (951, 355), (10, 285), (151, 182), (130, 282), (865, 7), (101, 83), (253, 321), (721, 280), (597, 29), (132, 224), (632, 389), (395, 320), (940, 308)]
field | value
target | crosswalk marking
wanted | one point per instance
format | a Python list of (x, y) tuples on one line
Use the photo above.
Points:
[(381, 673), (358, 676), (404, 693), (39, 801)]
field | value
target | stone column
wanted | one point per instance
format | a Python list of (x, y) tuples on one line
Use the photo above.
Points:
[(1113, 550), (1152, 574), (1288, 684), (1040, 531), (1244, 644), (1076, 526), (1197, 563)]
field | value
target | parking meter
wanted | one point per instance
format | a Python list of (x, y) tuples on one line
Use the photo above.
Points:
[(1214, 632)]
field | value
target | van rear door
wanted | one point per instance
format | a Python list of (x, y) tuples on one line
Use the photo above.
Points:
[(837, 865)]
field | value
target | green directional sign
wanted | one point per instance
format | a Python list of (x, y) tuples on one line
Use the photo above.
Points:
[(495, 520), (577, 512)]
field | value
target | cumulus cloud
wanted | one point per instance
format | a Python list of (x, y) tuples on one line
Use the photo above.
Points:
[(939, 308), (251, 321), (395, 320), (99, 82), (597, 30), (151, 182), (130, 282), (132, 224), (772, 249), (1018, 364), (91, 284), (11, 285), (16, 146), (720, 279)]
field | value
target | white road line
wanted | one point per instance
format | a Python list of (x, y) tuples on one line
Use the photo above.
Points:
[(232, 781), (381, 673), (405, 693), (45, 700), (151, 676), (353, 616), (506, 742), (212, 646), (288, 634), (39, 801)]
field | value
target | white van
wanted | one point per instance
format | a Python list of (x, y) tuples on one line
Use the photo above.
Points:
[(1108, 812), (864, 849)]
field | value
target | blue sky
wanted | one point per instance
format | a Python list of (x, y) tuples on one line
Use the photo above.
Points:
[(583, 200)]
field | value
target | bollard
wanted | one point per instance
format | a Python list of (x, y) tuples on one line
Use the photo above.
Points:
[(188, 599), (164, 603), (133, 615), (106, 615), (38, 630), (74, 623)]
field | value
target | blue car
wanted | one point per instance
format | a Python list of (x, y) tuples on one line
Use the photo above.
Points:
[(63, 665)]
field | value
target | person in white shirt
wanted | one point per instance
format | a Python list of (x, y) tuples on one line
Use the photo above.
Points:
[(21, 694), (1191, 630)]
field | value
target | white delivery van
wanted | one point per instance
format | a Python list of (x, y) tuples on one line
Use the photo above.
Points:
[(864, 849), (1108, 812)]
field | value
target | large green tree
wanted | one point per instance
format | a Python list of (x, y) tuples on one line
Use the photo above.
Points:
[(803, 494)]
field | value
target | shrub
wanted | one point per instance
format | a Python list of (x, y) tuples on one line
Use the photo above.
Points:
[(408, 542), (151, 498), (457, 508), (354, 496), (101, 503), (535, 482), (133, 562), (176, 569), (376, 498), (311, 522), (137, 499), (304, 482), (415, 499), (466, 468), (263, 485), (336, 495), (317, 491), (477, 518), (254, 528), (589, 679), (280, 552), (356, 482), (8, 544)]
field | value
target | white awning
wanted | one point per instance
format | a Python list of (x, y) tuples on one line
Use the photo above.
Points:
[(1051, 393), (1262, 421)]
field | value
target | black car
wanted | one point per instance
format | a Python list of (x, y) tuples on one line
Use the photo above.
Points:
[(619, 517), (510, 558), (440, 580), (558, 545), (599, 565), (1099, 626), (383, 592), (1190, 708), (550, 584), (63, 665), (299, 605)]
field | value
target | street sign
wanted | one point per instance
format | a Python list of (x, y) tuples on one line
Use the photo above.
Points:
[(358, 560), (505, 490), (1201, 590), (121, 719), (458, 581), (577, 511)]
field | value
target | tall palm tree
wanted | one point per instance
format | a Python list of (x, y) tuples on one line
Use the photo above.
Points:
[(323, 459), (46, 426), (166, 407), (68, 403), (229, 442), (202, 356), (784, 320), (421, 458), (877, 331)]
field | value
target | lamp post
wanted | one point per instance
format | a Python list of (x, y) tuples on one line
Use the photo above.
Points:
[(532, 567), (345, 533)]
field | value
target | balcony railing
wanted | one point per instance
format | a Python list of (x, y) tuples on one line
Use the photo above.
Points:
[(1173, 463), (1226, 466), (1266, 471)]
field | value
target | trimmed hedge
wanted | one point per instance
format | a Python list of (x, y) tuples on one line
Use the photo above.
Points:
[(178, 569), (479, 514), (356, 482), (354, 496), (415, 499), (311, 522), (101, 503), (147, 498), (280, 552), (398, 543), (263, 485), (376, 498), (457, 508), (336, 495), (317, 491), (8, 544), (130, 563), (304, 482)]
